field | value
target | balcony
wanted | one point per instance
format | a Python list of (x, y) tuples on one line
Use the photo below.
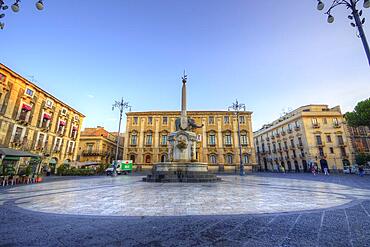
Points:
[(95, 153), (267, 138), (285, 149), (290, 131), (283, 133), (341, 144), (336, 125), (280, 150), (320, 144), (274, 151), (300, 145), (277, 135), (315, 125), (272, 137), (297, 128)]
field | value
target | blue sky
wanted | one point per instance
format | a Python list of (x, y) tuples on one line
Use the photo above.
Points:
[(271, 55)]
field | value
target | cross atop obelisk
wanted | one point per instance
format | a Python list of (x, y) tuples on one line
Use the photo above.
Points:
[(183, 97)]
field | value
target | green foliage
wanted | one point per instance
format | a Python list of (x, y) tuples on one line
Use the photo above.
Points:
[(73, 171), (101, 169), (362, 159), (28, 170), (361, 114)]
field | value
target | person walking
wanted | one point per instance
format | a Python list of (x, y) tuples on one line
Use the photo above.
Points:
[(282, 168), (326, 170), (361, 170), (313, 170)]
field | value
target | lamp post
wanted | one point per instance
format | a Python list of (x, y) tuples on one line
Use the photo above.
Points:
[(121, 105), (237, 107), (15, 7), (355, 15)]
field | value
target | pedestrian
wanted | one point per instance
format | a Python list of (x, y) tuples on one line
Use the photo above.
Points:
[(326, 170), (282, 168), (313, 170), (361, 171)]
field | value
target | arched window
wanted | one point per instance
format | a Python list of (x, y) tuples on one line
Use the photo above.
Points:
[(163, 158), (212, 138), (213, 159), (133, 139), (229, 159), (148, 159), (227, 139), (149, 138), (133, 158)]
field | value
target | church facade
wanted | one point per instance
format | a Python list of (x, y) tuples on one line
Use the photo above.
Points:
[(147, 133)]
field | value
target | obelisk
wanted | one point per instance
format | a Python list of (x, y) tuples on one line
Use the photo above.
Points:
[(183, 117)]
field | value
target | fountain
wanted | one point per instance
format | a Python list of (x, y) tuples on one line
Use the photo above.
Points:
[(182, 166)]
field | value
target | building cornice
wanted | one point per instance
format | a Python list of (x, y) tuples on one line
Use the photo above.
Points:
[(26, 81)]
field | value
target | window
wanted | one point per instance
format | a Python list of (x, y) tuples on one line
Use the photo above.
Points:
[(211, 120), (340, 140), (57, 144), (285, 145), (321, 152), (213, 159), (296, 124), (165, 120), (274, 147), (328, 138), (318, 140), (300, 143), (29, 92), (76, 117), (49, 103), (227, 139), (244, 138), (331, 150), (149, 138), (324, 120), (90, 148), (289, 127), (63, 111), (74, 131), (2, 78), (150, 120), (61, 127), (229, 159), (25, 113), (245, 159), (164, 139), (335, 121), (40, 140), (212, 138), (134, 139), (135, 120), (242, 119), (343, 151), (314, 121), (46, 119), (226, 119), (17, 137), (292, 143), (294, 154)]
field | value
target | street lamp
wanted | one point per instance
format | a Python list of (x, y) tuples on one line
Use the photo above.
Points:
[(121, 105), (15, 8), (355, 15), (237, 107)]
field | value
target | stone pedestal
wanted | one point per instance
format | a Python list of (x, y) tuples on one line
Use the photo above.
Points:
[(186, 172)]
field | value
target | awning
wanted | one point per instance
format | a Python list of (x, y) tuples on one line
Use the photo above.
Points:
[(47, 116), (10, 152), (26, 107), (75, 128), (62, 123)]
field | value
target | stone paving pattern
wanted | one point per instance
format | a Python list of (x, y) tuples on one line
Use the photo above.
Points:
[(347, 224)]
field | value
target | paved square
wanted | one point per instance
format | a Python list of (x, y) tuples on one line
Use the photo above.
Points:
[(256, 210)]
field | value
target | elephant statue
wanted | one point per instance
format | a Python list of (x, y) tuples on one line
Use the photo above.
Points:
[(191, 125)]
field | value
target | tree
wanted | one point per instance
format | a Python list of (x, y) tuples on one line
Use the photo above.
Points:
[(361, 114), (362, 158)]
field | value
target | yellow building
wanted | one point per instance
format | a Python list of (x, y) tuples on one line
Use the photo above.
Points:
[(99, 146), (35, 121), (147, 134), (311, 133)]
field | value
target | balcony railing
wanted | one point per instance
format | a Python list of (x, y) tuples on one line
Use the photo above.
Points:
[(336, 125), (96, 153), (315, 125), (297, 128)]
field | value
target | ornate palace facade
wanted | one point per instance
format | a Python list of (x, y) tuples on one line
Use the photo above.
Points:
[(36, 121), (99, 146), (147, 138), (309, 133)]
